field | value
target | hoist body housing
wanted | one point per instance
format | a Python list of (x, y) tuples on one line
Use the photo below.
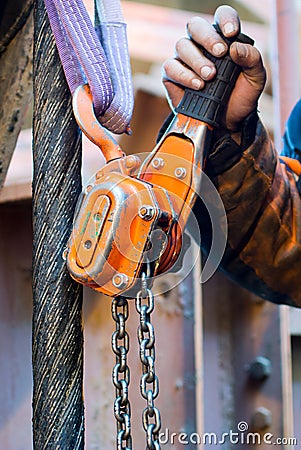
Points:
[(116, 216), (133, 213)]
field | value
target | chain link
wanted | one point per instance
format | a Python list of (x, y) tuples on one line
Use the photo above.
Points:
[(121, 374), (149, 384)]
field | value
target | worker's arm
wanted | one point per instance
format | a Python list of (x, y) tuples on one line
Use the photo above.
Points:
[(263, 206), (259, 193)]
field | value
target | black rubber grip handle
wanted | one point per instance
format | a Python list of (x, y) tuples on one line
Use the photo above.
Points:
[(207, 105)]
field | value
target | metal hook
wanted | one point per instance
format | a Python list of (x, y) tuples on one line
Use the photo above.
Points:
[(82, 103)]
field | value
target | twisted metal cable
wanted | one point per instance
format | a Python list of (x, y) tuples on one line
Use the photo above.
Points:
[(58, 412)]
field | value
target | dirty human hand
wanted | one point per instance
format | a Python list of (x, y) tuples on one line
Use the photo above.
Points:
[(189, 67)]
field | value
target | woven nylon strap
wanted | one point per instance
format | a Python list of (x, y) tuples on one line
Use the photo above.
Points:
[(97, 56)]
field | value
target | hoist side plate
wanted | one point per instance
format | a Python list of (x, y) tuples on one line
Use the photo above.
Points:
[(110, 234)]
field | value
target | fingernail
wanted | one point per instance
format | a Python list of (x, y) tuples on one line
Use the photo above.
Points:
[(206, 71), (218, 49), (241, 50), (196, 84), (229, 28)]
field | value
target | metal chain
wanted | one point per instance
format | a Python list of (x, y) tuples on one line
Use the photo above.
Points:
[(149, 384), (121, 374)]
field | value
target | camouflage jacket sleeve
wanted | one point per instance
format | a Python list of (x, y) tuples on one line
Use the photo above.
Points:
[(263, 206)]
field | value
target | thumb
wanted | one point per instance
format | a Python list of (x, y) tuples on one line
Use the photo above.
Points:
[(250, 60)]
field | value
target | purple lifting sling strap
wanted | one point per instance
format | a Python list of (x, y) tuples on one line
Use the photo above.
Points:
[(98, 57)]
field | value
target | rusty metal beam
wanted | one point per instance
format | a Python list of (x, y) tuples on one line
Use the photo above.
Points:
[(286, 92), (285, 63), (16, 78), (245, 365), (207, 7)]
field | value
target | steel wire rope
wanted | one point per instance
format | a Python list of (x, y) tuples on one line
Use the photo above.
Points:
[(57, 337)]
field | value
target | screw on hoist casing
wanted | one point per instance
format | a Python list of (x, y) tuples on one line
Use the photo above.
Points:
[(120, 280), (88, 188), (132, 162), (99, 174), (261, 418), (180, 172), (88, 244), (146, 212), (260, 368), (158, 163)]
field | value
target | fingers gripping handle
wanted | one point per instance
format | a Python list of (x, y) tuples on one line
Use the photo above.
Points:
[(207, 105)]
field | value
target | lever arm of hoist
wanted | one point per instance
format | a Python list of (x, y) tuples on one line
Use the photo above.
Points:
[(179, 156)]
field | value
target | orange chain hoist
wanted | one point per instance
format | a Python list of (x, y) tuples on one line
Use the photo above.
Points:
[(131, 217)]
